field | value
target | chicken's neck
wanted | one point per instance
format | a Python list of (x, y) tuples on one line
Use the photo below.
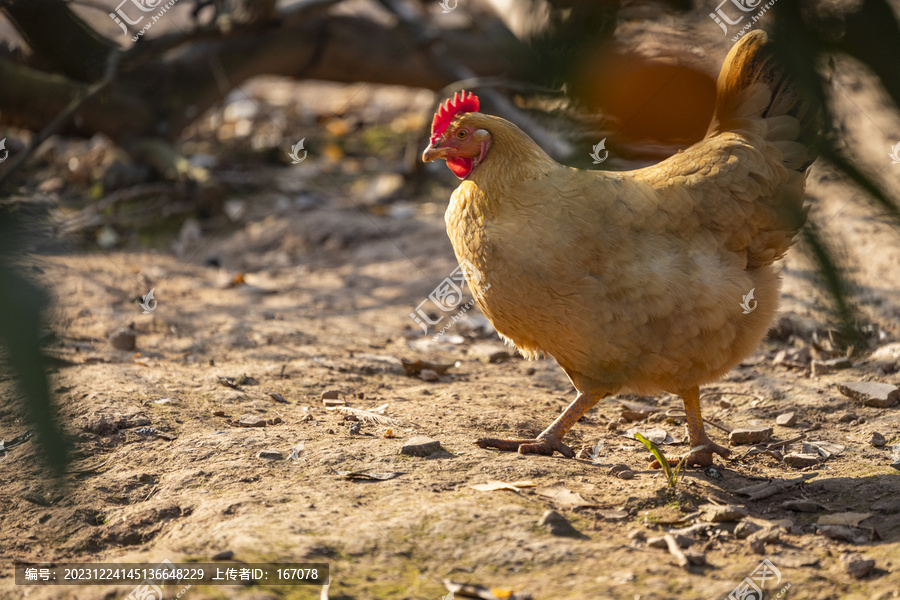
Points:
[(512, 159)]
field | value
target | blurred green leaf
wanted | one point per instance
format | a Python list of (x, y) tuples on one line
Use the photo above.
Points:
[(21, 306)]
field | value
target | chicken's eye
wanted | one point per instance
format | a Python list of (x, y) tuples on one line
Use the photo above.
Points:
[(461, 134)]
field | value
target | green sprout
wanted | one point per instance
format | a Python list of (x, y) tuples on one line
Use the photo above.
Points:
[(671, 475)]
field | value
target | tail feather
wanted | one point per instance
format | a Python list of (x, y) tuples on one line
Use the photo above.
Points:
[(754, 94)]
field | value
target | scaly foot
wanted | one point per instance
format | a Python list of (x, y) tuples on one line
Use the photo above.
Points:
[(698, 458), (545, 445)]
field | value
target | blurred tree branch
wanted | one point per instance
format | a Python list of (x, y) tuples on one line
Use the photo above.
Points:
[(159, 93)]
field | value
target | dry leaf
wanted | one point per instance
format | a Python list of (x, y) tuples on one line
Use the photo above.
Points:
[(657, 435), (493, 486), (365, 416), (565, 498), (635, 411), (826, 449)]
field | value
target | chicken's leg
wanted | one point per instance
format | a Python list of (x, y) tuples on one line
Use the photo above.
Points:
[(696, 433), (551, 438)]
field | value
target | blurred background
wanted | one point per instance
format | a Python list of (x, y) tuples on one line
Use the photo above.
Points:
[(254, 161)]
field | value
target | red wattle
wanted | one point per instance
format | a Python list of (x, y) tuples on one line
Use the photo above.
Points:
[(461, 167)]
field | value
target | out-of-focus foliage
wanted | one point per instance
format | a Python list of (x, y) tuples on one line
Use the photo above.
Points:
[(21, 306), (806, 35)]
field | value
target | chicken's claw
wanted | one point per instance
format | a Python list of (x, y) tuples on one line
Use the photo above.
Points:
[(699, 458), (541, 445)]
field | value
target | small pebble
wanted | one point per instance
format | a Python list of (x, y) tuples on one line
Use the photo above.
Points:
[(786, 419), (713, 473), (429, 375), (745, 529), (248, 420), (759, 539), (354, 428), (330, 395), (841, 533), (857, 565), (799, 461), (750, 435), (723, 513), (420, 446), (877, 440), (270, 455), (223, 555), (619, 468), (870, 393)]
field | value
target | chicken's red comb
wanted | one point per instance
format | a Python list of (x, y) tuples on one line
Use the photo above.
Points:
[(450, 109)]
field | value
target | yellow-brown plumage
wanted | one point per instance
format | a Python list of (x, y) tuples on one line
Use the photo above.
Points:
[(634, 280)]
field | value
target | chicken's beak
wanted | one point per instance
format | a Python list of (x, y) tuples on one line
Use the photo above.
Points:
[(431, 153)]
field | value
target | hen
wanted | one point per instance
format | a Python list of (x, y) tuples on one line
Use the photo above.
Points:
[(634, 280)]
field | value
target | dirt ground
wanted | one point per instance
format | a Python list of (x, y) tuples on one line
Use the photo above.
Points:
[(307, 289)]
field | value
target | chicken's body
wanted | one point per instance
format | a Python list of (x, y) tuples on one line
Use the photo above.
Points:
[(634, 280)]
